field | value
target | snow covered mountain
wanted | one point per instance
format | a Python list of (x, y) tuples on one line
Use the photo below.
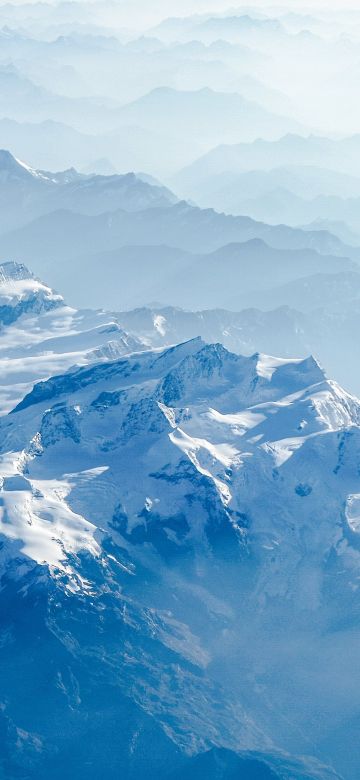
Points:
[(322, 318), (41, 336), (179, 390), (179, 556), (26, 193)]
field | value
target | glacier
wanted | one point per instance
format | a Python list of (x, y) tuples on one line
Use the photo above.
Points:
[(179, 390), (179, 554)]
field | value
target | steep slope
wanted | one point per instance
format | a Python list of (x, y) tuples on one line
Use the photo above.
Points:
[(176, 521), (26, 193), (40, 335), (324, 330), (21, 293)]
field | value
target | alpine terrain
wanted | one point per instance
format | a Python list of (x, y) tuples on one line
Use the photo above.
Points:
[(179, 554), (179, 390)]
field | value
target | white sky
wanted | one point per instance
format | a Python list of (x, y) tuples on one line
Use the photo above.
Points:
[(168, 7)]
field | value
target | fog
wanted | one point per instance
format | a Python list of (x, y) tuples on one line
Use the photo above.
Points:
[(179, 170)]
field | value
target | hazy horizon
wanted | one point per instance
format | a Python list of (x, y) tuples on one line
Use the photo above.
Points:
[(179, 390)]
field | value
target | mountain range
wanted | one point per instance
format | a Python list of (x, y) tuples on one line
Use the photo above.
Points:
[(328, 332), (26, 193), (212, 28), (138, 270), (179, 554), (66, 225), (340, 155), (205, 114), (179, 390), (164, 117), (292, 194), (40, 334)]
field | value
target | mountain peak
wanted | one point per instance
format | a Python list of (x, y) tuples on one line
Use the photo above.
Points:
[(305, 372), (14, 168), (11, 270), (22, 293), (8, 162)]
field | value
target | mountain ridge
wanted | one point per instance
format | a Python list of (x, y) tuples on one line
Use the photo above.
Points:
[(27, 193), (130, 487)]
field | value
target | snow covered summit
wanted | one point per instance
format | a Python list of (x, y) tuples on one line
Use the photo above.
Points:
[(41, 336), (11, 168), (21, 293), (140, 427), (181, 525)]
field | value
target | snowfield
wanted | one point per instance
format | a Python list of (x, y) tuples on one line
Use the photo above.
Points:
[(191, 518)]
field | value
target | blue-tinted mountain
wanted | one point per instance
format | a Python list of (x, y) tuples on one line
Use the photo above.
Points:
[(27, 193)]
